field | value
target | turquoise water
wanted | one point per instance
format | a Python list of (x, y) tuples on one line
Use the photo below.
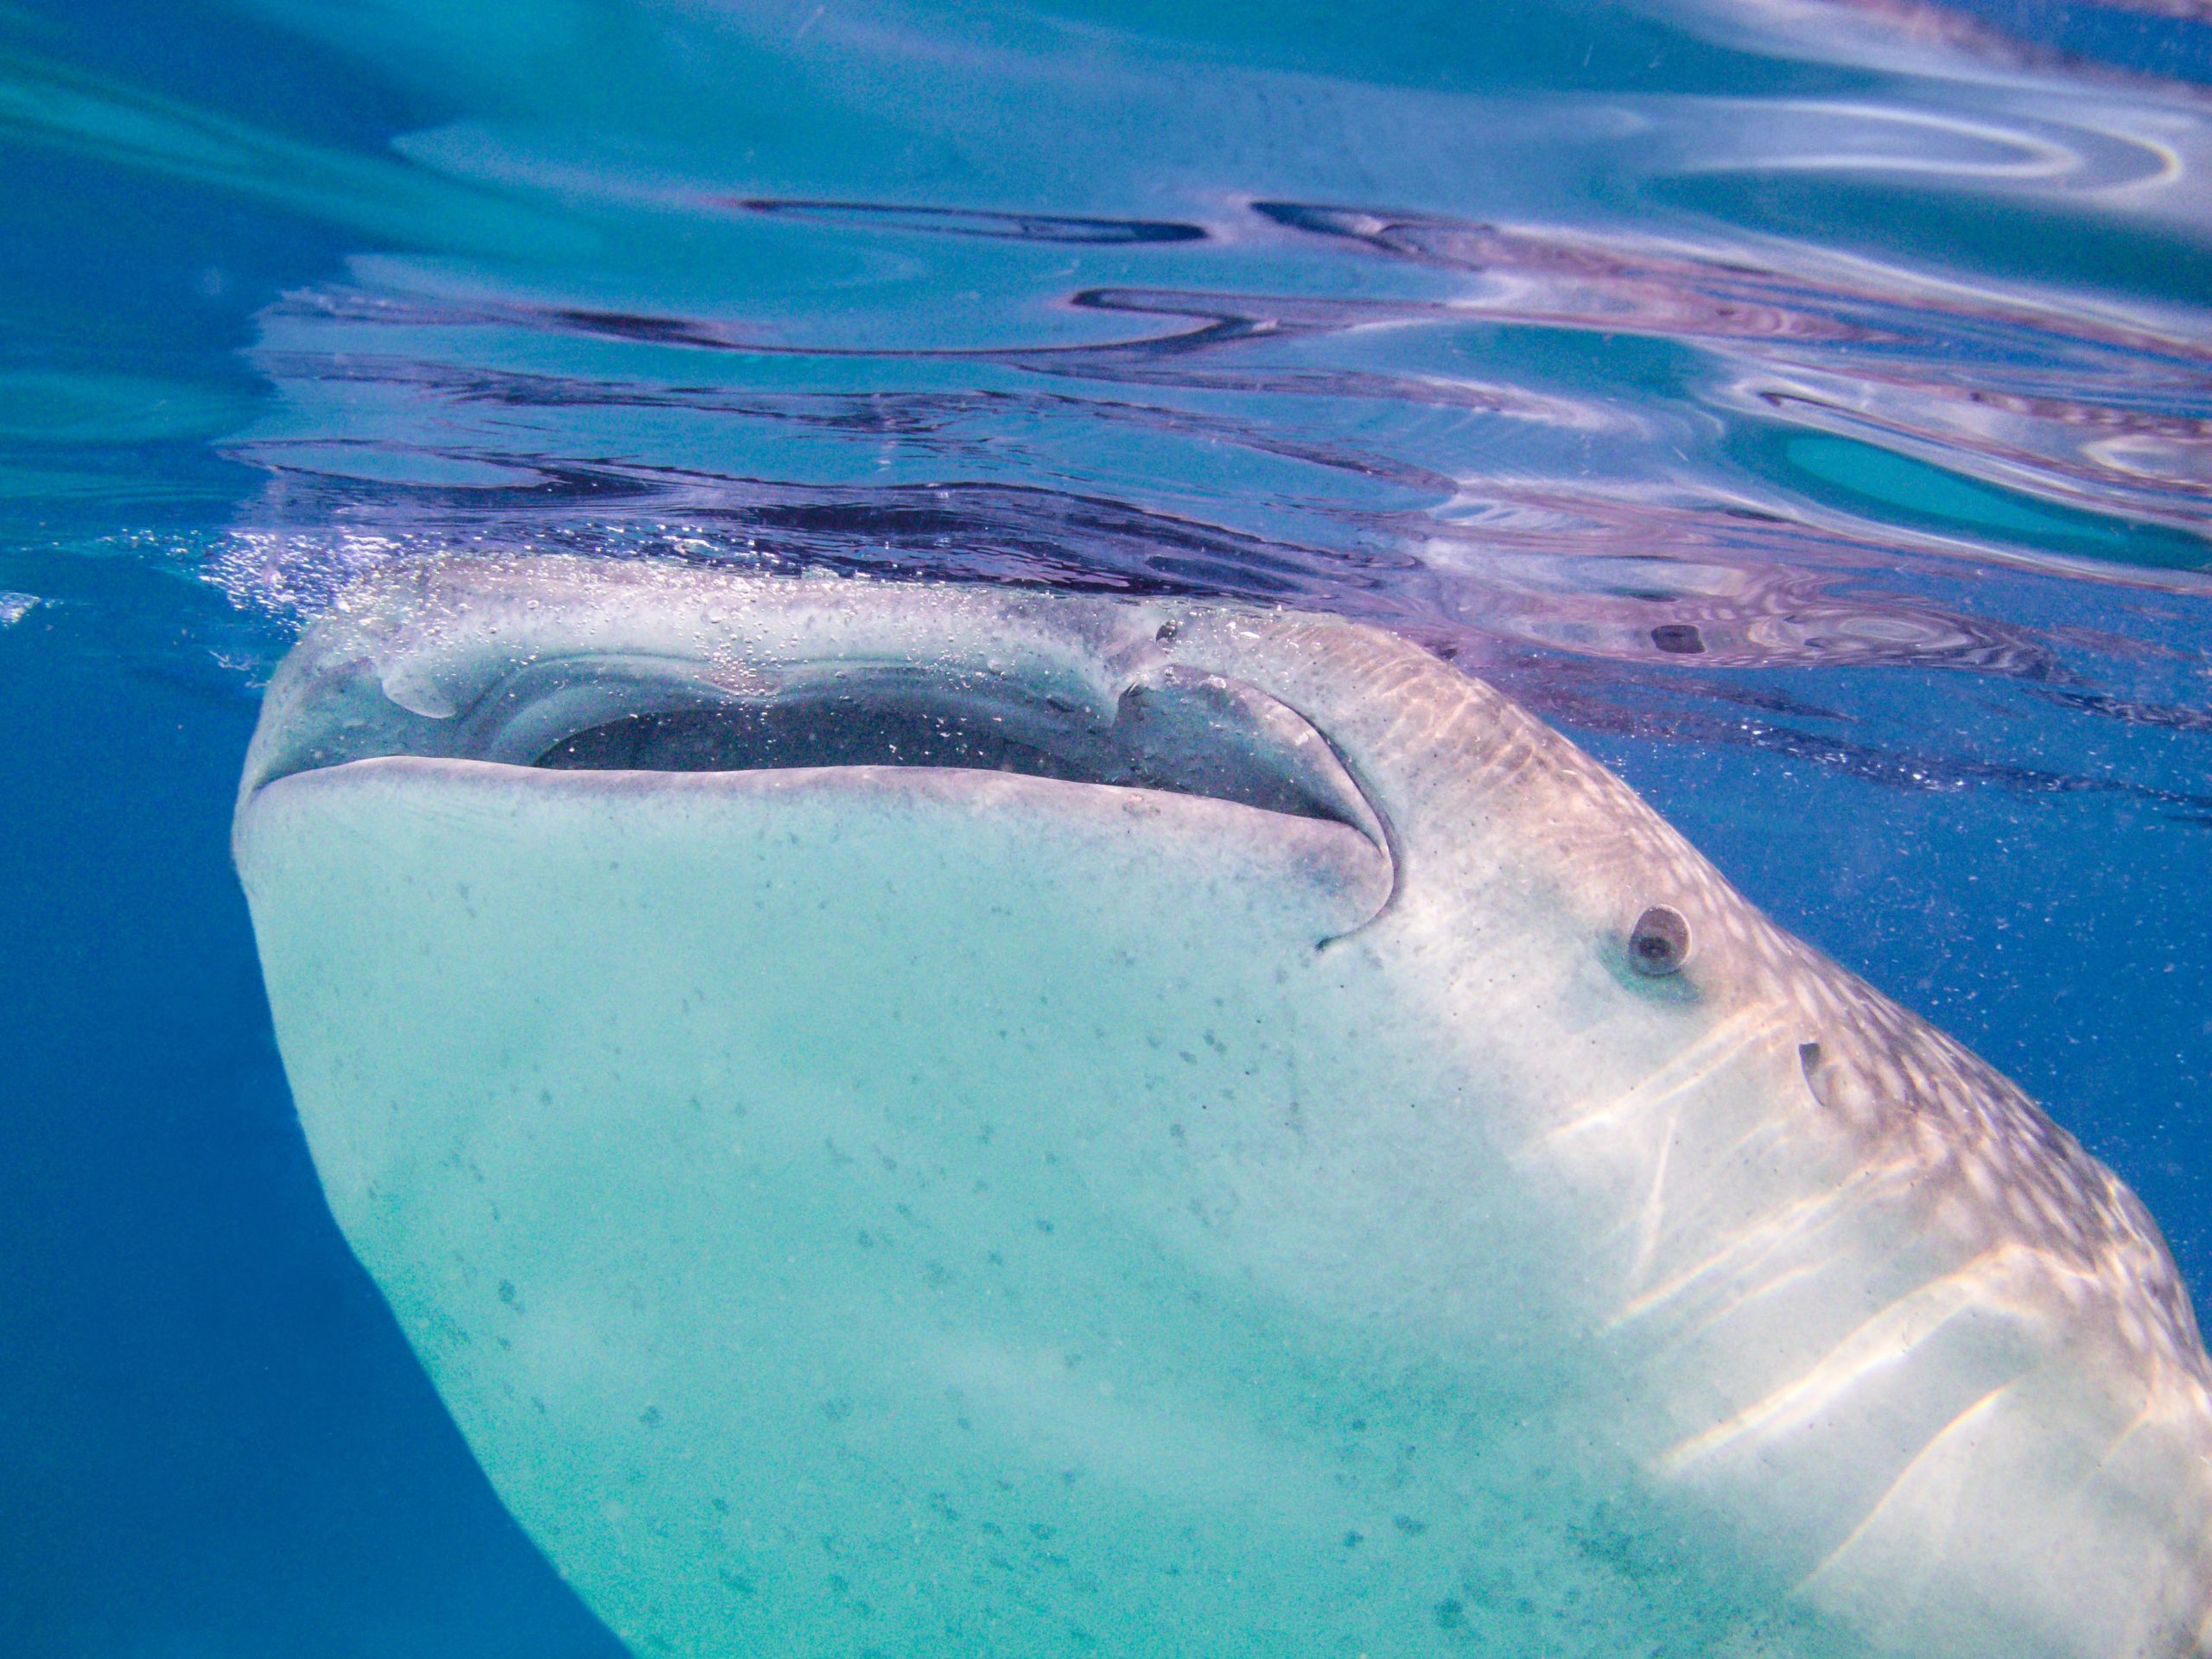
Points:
[(1807, 406)]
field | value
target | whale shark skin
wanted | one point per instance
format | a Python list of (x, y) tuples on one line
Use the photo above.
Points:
[(912, 1120)]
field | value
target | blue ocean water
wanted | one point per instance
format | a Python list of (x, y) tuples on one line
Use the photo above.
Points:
[(1806, 404)]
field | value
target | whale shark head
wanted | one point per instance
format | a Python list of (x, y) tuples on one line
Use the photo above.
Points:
[(926, 1119)]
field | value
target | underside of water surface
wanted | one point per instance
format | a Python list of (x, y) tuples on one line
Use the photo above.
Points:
[(1805, 404)]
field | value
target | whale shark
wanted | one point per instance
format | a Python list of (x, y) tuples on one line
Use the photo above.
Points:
[(910, 1119)]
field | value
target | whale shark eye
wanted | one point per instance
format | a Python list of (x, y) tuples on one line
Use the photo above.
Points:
[(1660, 942)]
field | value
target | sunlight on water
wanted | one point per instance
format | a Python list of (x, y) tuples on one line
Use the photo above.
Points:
[(1807, 404)]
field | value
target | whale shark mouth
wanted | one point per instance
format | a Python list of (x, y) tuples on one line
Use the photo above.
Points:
[(1171, 729), (1181, 733)]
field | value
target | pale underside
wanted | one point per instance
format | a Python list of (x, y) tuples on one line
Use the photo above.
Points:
[(942, 1213)]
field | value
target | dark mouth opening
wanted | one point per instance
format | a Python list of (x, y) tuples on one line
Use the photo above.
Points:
[(1183, 732)]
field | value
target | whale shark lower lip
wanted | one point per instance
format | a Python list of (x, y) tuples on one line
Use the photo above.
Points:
[(930, 1120)]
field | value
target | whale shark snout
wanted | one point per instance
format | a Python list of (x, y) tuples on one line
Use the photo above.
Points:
[(934, 1119)]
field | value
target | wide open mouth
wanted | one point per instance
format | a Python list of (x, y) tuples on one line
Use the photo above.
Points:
[(1183, 732), (1172, 728)]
